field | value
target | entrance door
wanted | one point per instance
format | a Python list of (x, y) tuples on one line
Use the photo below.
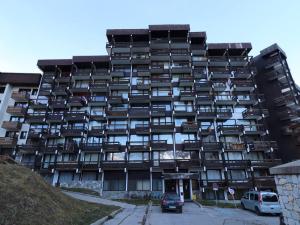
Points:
[(170, 186), (186, 190)]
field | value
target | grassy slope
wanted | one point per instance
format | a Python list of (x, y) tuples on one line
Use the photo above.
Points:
[(26, 199)]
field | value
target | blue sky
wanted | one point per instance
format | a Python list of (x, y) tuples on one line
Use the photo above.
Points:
[(40, 29)]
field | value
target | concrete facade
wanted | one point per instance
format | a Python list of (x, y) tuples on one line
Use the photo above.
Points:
[(287, 178)]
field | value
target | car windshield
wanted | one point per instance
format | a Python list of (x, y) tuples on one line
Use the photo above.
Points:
[(269, 198), (172, 197)]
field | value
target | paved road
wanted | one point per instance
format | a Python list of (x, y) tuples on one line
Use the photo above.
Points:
[(192, 214)]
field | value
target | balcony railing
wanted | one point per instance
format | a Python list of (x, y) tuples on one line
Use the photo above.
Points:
[(230, 129), (212, 146), (20, 96), (138, 145), (16, 110), (159, 144), (231, 146), (162, 126), (77, 116), (189, 127), (255, 113), (8, 142), (262, 146), (191, 145), (11, 125)]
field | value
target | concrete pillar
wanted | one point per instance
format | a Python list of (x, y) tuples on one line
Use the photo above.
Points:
[(150, 181), (225, 194), (55, 177), (126, 181), (191, 189), (181, 193)]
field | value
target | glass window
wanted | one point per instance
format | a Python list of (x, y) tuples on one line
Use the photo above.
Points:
[(214, 175)]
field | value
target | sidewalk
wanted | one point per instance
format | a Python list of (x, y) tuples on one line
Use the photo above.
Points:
[(131, 214)]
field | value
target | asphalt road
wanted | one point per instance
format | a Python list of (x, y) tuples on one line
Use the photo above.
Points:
[(192, 214)]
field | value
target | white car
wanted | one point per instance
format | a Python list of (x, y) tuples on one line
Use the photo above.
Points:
[(261, 202)]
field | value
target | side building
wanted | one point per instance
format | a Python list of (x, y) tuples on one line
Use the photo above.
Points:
[(282, 95), (163, 111), (16, 92)]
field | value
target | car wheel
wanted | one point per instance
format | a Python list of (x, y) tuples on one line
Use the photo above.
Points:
[(257, 211), (163, 210), (243, 206), (180, 210)]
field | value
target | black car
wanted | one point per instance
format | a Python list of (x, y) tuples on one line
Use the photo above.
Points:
[(171, 201)]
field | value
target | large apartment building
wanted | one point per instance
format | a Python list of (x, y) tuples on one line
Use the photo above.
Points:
[(16, 92), (163, 111), (282, 95)]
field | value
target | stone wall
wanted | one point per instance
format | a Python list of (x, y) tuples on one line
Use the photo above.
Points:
[(287, 178), (92, 185), (288, 187)]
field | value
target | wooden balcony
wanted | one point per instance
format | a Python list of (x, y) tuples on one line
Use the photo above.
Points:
[(161, 127), (232, 146), (233, 164), (111, 146), (20, 96), (8, 142), (90, 147), (191, 145), (138, 164), (262, 146), (138, 146), (139, 113), (54, 117), (187, 163), (159, 145), (213, 164), (139, 98), (117, 113), (38, 117), (11, 125), (189, 127), (16, 110), (266, 163), (230, 129), (113, 165), (70, 131), (212, 146), (264, 182), (76, 116)]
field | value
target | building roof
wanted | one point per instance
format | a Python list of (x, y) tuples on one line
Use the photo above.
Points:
[(287, 168), (20, 79)]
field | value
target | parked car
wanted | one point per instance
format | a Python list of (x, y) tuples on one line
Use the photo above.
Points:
[(171, 201), (261, 202)]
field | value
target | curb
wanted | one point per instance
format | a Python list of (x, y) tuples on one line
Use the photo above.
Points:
[(74, 192), (105, 218), (198, 204)]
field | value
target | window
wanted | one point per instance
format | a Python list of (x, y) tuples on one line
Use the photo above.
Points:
[(237, 174), (23, 134), (91, 157), (214, 175), (114, 185), (143, 185), (16, 118), (156, 184), (163, 137), (115, 156), (180, 138), (138, 156), (120, 139), (48, 160)]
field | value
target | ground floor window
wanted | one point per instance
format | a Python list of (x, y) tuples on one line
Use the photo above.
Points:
[(114, 181), (114, 185), (156, 182), (211, 195)]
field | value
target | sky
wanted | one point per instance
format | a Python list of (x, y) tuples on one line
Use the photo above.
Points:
[(53, 29)]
